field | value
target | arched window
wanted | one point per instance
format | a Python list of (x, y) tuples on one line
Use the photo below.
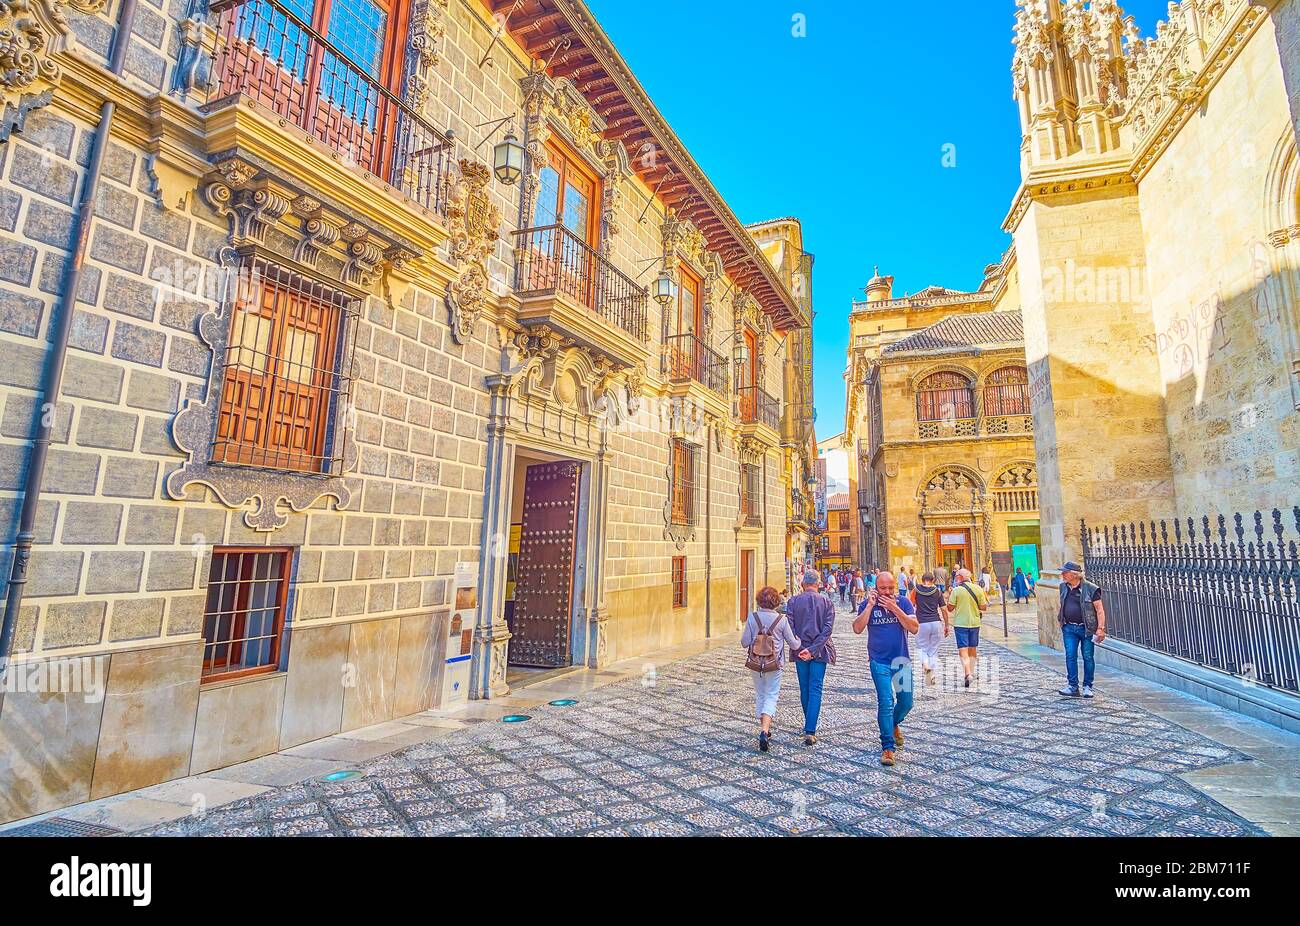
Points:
[(945, 396), (1006, 392)]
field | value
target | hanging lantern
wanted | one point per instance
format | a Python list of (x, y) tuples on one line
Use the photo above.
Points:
[(665, 288), (508, 160)]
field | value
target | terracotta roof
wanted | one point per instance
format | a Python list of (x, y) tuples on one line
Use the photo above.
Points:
[(838, 500), (982, 329)]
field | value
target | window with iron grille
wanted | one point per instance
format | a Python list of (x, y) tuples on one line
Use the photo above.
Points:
[(751, 493), (1006, 393), (679, 581), (286, 374), (244, 618), (945, 396), (683, 483)]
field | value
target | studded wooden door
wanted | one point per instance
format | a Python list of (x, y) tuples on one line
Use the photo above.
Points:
[(544, 587)]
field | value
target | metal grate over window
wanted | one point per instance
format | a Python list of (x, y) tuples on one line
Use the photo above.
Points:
[(683, 483), (244, 618), (679, 581), (287, 372)]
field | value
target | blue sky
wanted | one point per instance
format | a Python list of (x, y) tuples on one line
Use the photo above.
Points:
[(845, 128)]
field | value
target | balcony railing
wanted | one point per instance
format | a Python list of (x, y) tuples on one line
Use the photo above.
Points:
[(687, 358), (949, 427), (1008, 424), (757, 407), (553, 259), (266, 52)]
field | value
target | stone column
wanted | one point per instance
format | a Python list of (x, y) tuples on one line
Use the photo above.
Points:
[(492, 636), (1098, 399), (597, 612)]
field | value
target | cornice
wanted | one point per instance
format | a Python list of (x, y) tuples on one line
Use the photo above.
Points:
[(1072, 176), (581, 20)]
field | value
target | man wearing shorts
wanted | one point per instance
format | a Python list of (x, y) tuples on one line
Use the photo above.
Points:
[(968, 602)]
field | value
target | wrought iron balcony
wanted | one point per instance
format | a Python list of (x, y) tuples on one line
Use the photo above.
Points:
[(265, 52), (757, 407), (553, 260), (686, 358)]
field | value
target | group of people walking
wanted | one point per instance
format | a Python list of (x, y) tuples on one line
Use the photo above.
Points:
[(889, 609)]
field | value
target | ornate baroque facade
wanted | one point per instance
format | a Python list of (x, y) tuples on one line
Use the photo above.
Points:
[(340, 405), (938, 414)]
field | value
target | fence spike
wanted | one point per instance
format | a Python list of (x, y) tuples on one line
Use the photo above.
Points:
[(1277, 527), (1164, 533), (1205, 528), (1178, 531), (1259, 527)]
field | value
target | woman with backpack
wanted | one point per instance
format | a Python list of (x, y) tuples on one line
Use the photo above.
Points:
[(767, 634)]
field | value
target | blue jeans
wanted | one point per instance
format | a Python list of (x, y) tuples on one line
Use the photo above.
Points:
[(811, 675), (1076, 636), (893, 697)]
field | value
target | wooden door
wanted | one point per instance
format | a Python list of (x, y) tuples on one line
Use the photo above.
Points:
[(544, 583), (954, 549)]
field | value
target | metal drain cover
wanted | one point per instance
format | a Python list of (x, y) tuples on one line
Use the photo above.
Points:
[(61, 826)]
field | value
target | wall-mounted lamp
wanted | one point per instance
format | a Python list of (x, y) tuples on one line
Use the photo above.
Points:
[(508, 159), (507, 154), (665, 288)]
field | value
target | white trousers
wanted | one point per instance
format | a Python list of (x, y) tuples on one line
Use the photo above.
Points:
[(928, 639), (767, 687)]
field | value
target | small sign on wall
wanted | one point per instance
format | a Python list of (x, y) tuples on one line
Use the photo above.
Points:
[(460, 635)]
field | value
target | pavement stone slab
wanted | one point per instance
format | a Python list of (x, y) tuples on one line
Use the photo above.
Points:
[(673, 753)]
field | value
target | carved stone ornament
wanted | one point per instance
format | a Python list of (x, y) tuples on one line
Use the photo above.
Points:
[(428, 27), (473, 221), (550, 370), (555, 104), (951, 489), (261, 491), (32, 32)]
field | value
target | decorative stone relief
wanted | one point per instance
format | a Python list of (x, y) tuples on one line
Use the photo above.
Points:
[(1018, 476), (198, 45), (473, 221), (263, 492), (32, 32), (555, 104), (428, 27), (951, 489)]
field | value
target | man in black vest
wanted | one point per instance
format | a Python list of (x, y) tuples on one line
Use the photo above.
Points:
[(1083, 624)]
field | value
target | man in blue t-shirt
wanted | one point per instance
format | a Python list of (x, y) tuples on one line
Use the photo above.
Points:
[(888, 618)]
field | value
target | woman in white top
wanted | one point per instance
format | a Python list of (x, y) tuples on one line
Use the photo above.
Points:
[(767, 685)]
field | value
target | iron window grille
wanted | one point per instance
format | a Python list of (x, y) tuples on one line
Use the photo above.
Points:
[(243, 622), (751, 494), (287, 372), (683, 488)]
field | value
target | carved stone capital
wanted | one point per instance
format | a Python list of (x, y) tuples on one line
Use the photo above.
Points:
[(474, 222)]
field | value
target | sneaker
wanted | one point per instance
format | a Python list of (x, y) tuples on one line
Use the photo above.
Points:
[(1087, 691), (810, 739), (929, 677), (762, 742), (1068, 692), (887, 757), (898, 737), (967, 683)]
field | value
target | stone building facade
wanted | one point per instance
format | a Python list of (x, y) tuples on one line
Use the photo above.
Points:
[(1156, 229), (939, 411), (354, 420)]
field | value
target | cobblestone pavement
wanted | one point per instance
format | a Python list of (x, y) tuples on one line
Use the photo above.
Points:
[(673, 753)]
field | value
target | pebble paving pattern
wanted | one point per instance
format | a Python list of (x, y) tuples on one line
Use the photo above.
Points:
[(673, 753)]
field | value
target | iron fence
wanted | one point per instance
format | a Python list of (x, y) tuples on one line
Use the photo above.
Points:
[(1224, 597)]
